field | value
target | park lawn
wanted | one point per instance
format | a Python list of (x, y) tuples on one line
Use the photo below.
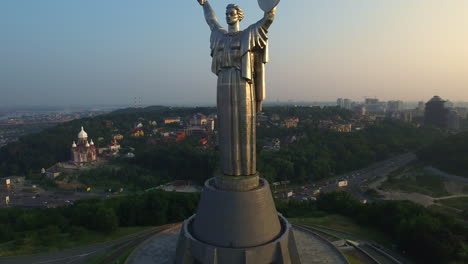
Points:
[(64, 241), (415, 179), (439, 208), (458, 203), (347, 225)]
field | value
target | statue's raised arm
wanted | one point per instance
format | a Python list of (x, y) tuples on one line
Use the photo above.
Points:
[(210, 15), (268, 18)]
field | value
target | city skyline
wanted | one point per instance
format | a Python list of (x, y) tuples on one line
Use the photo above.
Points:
[(108, 52)]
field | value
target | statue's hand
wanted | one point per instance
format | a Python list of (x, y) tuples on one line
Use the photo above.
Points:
[(201, 2)]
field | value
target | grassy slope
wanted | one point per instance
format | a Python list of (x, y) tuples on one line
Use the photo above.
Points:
[(14, 248), (341, 223), (458, 203), (415, 179)]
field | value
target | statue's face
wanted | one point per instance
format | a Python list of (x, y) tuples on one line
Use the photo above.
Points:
[(231, 16)]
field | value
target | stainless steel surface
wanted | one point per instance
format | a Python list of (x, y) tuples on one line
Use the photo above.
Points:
[(237, 228), (267, 5), (238, 61), (251, 217)]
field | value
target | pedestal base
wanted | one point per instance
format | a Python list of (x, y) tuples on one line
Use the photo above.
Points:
[(240, 227), (237, 183)]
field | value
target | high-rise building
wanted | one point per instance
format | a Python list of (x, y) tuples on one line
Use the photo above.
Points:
[(453, 121), (435, 113), (421, 106), (462, 112), (344, 103), (449, 104), (371, 101), (339, 102), (347, 103), (374, 106), (394, 106)]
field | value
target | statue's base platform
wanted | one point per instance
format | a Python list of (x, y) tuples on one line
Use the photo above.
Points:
[(280, 250), (238, 227), (161, 249)]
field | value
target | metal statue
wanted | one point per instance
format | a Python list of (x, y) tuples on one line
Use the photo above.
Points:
[(267, 5), (239, 57)]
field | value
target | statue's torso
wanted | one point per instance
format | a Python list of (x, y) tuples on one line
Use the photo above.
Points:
[(228, 52)]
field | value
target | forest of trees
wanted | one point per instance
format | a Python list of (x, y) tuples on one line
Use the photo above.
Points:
[(42, 227), (426, 236), (318, 154), (154, 165), (41, 150), (325, 153), (449, 154)]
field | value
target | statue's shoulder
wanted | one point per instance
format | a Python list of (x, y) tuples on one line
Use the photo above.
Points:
[(219, 30)]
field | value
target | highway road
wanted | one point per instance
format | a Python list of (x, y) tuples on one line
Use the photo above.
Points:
[(356, 180)]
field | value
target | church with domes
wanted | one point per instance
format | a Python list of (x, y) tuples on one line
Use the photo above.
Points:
[(83, 151)]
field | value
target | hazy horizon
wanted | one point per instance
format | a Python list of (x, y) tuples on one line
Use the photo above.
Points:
[(108, 52)]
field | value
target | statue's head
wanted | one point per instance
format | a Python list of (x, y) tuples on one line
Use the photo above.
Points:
[(234, 14)]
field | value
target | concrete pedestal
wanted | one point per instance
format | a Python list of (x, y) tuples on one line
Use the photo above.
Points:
[(238, 227)]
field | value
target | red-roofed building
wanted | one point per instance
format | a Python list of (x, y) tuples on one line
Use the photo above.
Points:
[(180, 137), (203, 141)]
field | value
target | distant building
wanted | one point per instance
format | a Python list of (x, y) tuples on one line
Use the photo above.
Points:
[(449, 104), (291, 122), (83, 151), (197, 130), (275, 117), (344, 103), (360, 110), (273, 145), (370, 101), (418, 113), (406, 116), (374, 106), (325, 124), (435, 113), (138, 132), (394, 106), (180, 137), (138, 125), (347, 103), (118, 137), (210, 125), (462, 112), (261, 117), (170, 120), (52, 172), (340, 102), (114, 146), (453, 121), (421, 106), (198, 119), (203, 141), (107, 123), (343, 128)]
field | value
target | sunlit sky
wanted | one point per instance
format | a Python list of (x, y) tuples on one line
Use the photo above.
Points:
[(85, 52)]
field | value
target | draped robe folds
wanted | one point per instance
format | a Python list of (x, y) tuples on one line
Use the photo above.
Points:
[(238, 60)]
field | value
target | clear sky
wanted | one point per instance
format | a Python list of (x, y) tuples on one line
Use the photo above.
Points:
[(75, 52)]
